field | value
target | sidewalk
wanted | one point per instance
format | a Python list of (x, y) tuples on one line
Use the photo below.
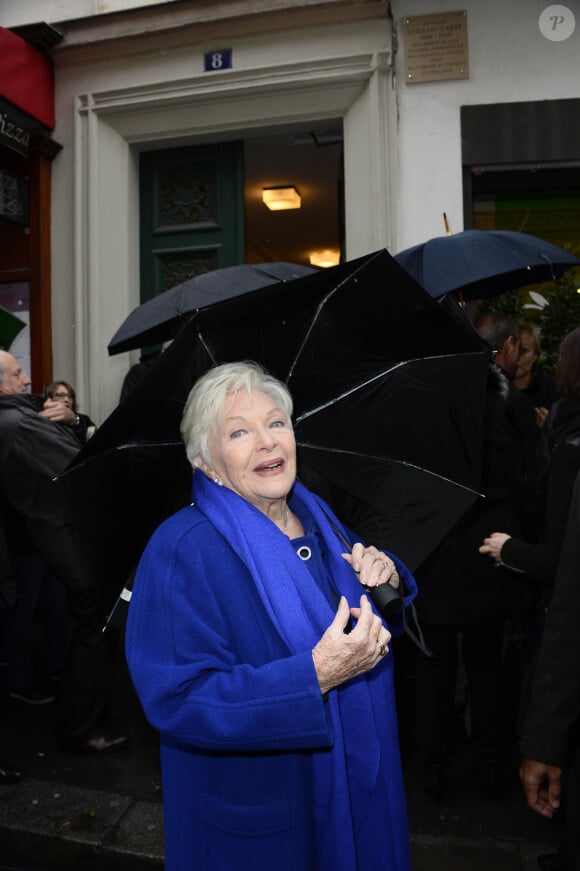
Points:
[(77, 812)]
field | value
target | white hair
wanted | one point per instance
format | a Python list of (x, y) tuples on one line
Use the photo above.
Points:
[(205, 404)]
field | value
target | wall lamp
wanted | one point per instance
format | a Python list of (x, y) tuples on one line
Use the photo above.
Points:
[(325, 258), (279, 198)]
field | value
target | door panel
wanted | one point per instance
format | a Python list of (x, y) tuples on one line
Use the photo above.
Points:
[(192, 216)]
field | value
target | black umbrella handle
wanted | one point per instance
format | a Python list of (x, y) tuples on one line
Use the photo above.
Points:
[(387, 599)]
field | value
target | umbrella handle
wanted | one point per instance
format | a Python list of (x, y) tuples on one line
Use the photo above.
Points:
[(386, 599)]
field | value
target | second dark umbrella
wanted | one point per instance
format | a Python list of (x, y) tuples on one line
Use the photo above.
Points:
[(483, 263), (161, 318)]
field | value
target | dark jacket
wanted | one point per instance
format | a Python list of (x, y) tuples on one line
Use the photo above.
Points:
[(7, 583), (83, 429), (33, 451), (541, 391), (562, 437), (456, 583), (555, 700)]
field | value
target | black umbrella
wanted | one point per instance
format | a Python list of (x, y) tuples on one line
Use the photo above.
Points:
[(388, 390), (10, 326), (161, 318), (483, 263)]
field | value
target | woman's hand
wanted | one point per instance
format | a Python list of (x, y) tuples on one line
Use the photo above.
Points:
[(339, 656), (492, 546), (58, 412), (541, 415), (372, 566), (542, 785)]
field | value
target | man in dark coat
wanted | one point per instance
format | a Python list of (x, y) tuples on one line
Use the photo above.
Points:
[(463, 600), (550, 737), (8, 772), (36, 445)]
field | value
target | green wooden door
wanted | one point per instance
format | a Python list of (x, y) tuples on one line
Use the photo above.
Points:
[(192, 213)]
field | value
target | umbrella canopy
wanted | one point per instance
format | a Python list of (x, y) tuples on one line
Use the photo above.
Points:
[(484, 263), (161, 318), (10, 326), (388, 391)]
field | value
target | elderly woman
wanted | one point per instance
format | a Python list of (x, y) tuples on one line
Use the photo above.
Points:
[(257, 654)]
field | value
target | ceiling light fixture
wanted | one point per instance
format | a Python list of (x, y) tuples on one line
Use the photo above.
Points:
[(325, 258), (281, 198)]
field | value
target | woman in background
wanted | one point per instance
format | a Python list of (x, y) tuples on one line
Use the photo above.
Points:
[(62, 391), (540, 388)]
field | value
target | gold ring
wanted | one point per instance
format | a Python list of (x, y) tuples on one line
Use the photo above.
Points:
[(382, 648)]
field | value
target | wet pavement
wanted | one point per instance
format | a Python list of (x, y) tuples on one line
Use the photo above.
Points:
[(81, 812)]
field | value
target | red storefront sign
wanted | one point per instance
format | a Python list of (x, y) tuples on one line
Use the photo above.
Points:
[(26, 91)]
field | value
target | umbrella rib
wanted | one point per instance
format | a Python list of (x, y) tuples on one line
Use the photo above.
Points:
[(319, 308), (332, 450), (166, 444), (321, 305), (207, 348), (346, 393), (376, 377), (550, 264)]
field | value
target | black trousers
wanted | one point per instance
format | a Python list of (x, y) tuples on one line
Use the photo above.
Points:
[(480, 646), (83, 699)]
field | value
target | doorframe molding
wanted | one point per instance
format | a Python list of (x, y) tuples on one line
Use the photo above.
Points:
[(112, 127)]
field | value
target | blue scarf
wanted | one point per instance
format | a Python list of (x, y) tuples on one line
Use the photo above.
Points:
[(359, 803)]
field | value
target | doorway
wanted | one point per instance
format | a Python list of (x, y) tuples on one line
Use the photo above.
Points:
[(201, 205), (311, 160)]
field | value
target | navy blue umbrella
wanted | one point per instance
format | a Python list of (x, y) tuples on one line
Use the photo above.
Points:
[(161, 318), (484, 263)]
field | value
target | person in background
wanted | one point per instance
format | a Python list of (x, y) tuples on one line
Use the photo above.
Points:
[(41, 597), (535, 559), (549, 746), (561, 434), (62, 391), (37, 442), (137, 372), (503, 336), (9, 774), (540, 388), (258, 656), (464, 603)]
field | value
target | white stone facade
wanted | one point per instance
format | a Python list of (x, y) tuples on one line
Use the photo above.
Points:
[(124, 84)]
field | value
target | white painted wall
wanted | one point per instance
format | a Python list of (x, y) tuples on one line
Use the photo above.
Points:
[(510, 61), (53, 11)]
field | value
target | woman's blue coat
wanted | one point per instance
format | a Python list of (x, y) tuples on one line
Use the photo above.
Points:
[(238, 715)]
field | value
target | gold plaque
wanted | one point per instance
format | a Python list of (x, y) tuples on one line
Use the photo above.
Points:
[(436, 47)]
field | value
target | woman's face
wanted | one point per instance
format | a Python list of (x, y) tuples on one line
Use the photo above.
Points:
[(61, 394), (528, 355), (254, 450)]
